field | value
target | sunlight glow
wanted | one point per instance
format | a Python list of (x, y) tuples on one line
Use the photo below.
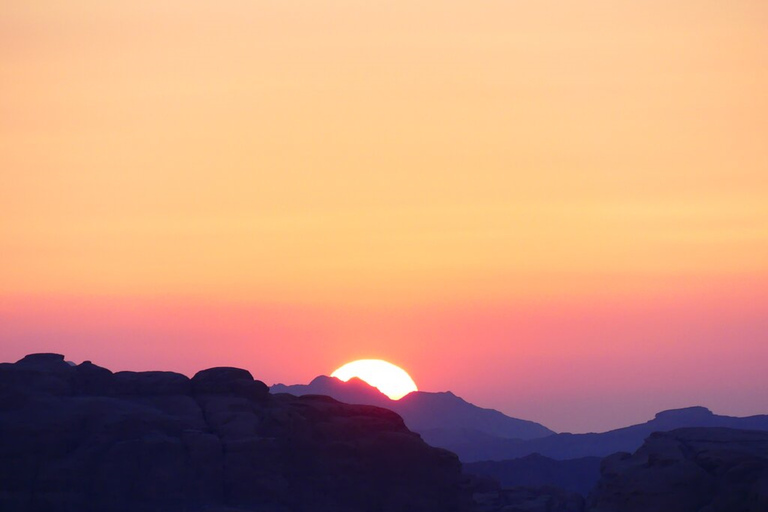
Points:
[(391, 380)]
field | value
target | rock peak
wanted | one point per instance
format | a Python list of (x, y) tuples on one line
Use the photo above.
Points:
[(42, 357), (696, 411)]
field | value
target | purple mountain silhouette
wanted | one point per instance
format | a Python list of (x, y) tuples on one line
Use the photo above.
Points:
[(472, 445), (476, 434), (423, 411)]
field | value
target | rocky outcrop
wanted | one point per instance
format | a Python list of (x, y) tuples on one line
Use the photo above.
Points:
[(687, 470), (81, 438)]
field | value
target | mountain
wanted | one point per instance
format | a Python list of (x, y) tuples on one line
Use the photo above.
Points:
[(474, 446), (573, 474), (687, 470), (476, 434), (354, 391), (83, 438), (576, 475), (423, 411)]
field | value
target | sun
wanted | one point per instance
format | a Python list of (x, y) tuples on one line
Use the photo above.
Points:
[(388, 378)]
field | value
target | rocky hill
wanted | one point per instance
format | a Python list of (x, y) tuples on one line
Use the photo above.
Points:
[(81, 438), (708, 469), (476, 446), (687, 470)]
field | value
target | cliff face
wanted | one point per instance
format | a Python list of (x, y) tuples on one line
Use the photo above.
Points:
[(687, 470), (81, 438)]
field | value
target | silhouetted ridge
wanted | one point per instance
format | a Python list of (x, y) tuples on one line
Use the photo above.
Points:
[(687, 470), (81, 438), (476, 434), (474, 446), (684, 414), (425, 412)]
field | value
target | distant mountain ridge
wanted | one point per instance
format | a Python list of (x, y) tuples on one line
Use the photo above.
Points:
[(473, 446), (476, 434), (423, 411), (690, 469)]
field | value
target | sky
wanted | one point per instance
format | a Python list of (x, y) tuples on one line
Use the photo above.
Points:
[(558, 209)]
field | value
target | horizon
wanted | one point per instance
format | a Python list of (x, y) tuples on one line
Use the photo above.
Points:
[(430, 391), (447, 391), (555, 210)]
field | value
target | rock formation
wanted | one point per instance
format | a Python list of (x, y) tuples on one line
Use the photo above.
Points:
[(81, 438), (687, 470)]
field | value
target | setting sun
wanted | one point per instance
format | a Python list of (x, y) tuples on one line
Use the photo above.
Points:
[(388, 378)]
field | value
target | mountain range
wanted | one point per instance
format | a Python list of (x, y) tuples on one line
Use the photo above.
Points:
[(423, 411), (476, 447), (80, 437), (476, 434)]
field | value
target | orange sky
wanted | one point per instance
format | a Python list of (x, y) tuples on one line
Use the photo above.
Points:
[(559, 209)]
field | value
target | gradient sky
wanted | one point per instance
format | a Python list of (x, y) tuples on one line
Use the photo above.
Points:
[(558, 209)]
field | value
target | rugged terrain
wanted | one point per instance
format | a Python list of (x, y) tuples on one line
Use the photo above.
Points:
[(628, 439), (687, 470), (81, 438), (423, 411), (476, 434), (84, 439)]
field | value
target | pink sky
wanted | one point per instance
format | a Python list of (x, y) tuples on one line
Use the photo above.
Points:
[(590, 366)]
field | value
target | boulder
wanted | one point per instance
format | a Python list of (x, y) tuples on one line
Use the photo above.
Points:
[(225, 380)]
